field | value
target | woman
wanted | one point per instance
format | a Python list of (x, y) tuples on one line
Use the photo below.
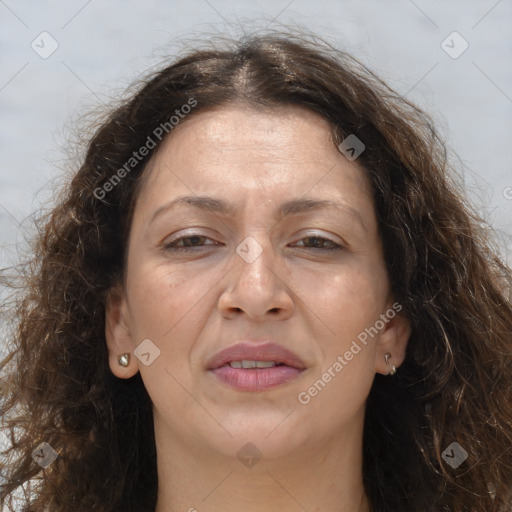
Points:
[(262, 291)]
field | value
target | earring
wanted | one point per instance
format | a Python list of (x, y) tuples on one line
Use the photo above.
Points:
[(393, 368), (124, 359)]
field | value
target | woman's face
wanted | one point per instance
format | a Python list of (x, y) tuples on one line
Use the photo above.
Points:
[(271, 265)]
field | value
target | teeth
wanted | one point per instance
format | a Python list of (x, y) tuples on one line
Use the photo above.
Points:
[(265, 364), (252, 364)]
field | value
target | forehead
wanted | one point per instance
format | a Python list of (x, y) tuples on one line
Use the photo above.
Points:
[(239, 150)]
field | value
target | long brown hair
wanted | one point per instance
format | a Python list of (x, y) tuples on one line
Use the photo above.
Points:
[(455, 385)]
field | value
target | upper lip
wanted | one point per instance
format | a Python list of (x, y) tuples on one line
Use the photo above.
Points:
[(249, 351)]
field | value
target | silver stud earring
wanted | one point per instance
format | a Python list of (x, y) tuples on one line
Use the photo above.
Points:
[(393, 368), (124, 359)]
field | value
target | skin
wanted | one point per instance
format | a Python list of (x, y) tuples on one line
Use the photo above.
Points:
[(315, 302)]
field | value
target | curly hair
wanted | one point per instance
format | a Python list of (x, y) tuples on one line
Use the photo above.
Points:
[(455, 384)]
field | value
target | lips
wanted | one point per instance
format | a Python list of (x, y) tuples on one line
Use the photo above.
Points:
[(243, 366), (249, 351)]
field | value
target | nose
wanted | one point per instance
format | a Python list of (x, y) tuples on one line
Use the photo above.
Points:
[(258, 285)]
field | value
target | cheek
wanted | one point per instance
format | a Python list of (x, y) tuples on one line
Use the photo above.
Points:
[(361, 295), (343, 304), (166, 308), (347, 304), (164, 300)]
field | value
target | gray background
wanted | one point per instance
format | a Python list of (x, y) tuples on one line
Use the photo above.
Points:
[(103, 46)]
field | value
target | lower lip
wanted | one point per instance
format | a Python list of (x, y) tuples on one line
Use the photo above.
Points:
[(256, 379)]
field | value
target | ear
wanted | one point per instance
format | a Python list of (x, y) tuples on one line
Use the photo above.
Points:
[(117, 334), (392, 340)]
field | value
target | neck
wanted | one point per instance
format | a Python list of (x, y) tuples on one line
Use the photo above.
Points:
[(325, 475)]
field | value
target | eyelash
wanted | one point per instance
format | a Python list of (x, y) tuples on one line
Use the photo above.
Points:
[(171, 247)]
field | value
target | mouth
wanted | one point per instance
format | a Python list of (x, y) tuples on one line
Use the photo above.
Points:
[(249, 367)]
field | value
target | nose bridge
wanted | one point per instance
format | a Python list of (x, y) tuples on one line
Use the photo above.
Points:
[(257, 260), (254, 287)]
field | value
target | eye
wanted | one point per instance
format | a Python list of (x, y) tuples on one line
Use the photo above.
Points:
[(195, 243), (318, 242), (188, 243)]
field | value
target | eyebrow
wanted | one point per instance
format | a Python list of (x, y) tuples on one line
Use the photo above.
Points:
[(292, 207)]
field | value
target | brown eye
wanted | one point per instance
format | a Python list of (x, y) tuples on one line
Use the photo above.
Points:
[(190, 242), (321, 243)]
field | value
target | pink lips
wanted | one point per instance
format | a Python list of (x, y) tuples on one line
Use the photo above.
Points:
[(256, 379)]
